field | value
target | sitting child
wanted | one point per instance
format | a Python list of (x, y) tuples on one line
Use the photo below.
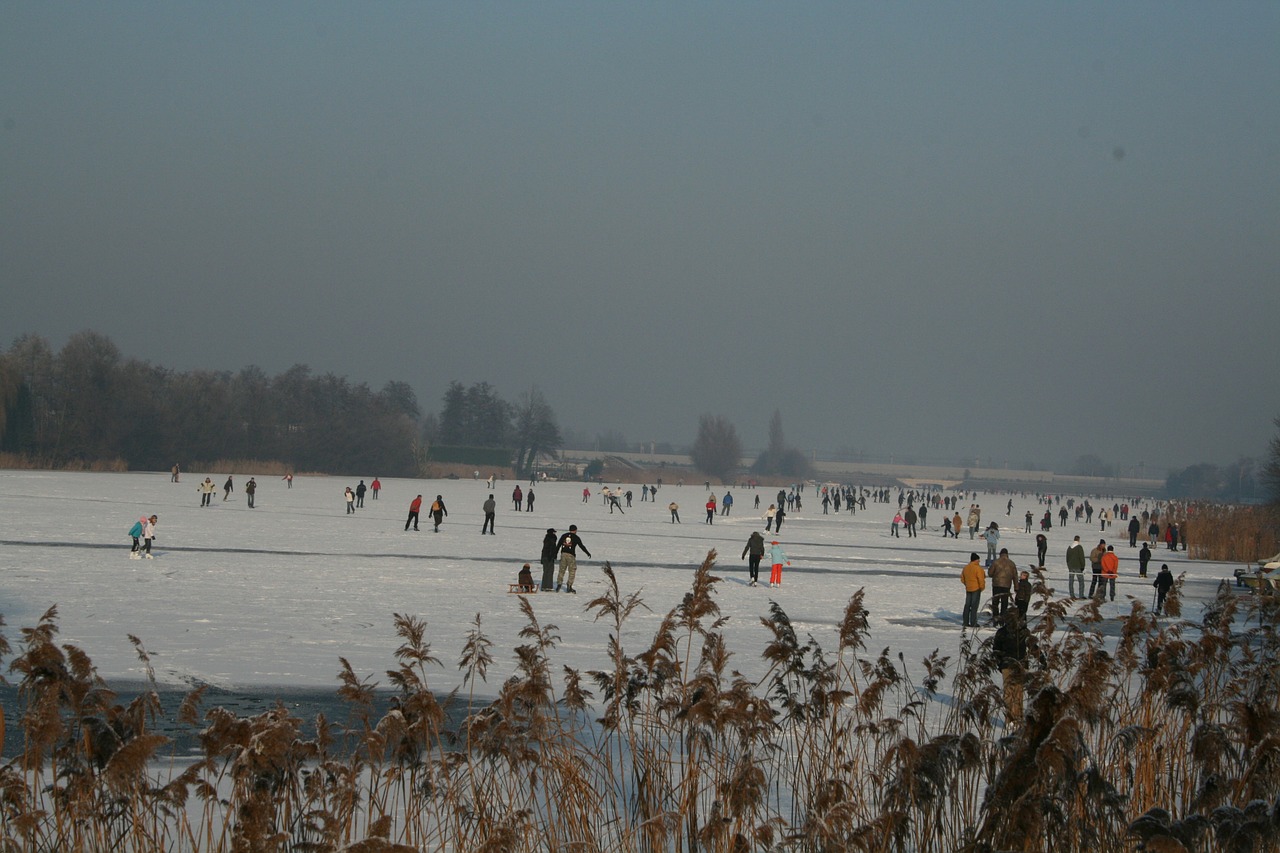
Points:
[(525, 580)]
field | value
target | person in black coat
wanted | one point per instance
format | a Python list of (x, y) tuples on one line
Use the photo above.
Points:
[(1163, 583), (1010, 646), (1144, 557), (755, 550), (548, 559)]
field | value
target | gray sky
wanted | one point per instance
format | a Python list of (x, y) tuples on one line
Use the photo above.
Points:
[(1017, 231)]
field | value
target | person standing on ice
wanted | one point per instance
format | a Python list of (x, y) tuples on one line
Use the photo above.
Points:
[(227, 488), (415, 506), (374, 487), (974, 519), (490, 509), (975, 581), (753, 553), (726, 503), (548, 559), (250, 489), (206, 490), (136, 532), (1004, 574), (992, 535), (350, 497), (517, 498), (768, 517), (568, 546), (675, 512), (361, 488), (776, 558), (148, 534), (711, 509), (528, 500), (1163, 583), (438, 513)]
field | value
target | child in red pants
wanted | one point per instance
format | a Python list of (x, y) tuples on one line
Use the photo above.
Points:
[(777, 557)]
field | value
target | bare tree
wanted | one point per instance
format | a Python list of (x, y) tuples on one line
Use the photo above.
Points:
[(717, 450)]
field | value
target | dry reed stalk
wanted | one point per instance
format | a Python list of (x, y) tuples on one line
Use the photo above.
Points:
[(1169, 737)]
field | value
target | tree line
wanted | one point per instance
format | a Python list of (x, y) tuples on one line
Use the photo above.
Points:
[(87, 403)]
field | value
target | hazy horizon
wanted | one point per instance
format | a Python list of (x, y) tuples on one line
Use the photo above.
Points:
[(1010, 232)]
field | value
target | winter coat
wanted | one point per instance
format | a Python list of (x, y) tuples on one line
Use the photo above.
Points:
[(777, 556), (755, 545), (136, 530), (549, 547), (1075, 557), (1163, 581), (973, 577), (1110, 565), (1003, 572), (489, 506)]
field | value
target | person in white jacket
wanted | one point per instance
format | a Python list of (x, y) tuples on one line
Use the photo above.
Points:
[(149, 533)]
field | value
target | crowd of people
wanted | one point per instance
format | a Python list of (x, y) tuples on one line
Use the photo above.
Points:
[(1010, 587)]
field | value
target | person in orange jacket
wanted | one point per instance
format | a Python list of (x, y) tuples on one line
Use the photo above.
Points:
[(1110, 571), (975, 581)]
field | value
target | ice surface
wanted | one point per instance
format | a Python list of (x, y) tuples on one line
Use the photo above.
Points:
[(272, 596)]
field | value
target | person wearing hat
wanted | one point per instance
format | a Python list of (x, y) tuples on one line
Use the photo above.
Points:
[(437, 513), (568, 546), (975, 581), (525, 579), (777, 557), (548, 559)]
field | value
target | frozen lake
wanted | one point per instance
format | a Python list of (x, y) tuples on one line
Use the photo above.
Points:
[(271, 597)]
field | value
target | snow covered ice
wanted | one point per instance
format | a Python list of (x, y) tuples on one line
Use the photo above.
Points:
[(268, 597)]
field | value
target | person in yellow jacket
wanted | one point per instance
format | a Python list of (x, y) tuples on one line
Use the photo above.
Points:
[(975, 581)]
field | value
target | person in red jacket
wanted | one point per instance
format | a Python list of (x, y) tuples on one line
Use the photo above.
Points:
[(415, 506), (711, 509)]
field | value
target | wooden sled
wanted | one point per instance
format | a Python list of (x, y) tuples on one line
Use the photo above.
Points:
[(521, 589)]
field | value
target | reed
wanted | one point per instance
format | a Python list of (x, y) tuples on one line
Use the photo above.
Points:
[(1168, 739), (1230, 532)]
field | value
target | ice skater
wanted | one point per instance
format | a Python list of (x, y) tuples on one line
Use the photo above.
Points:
[(777, 557)]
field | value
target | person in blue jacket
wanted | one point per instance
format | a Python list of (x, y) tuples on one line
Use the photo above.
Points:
[(777, 557), (136, 532)]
